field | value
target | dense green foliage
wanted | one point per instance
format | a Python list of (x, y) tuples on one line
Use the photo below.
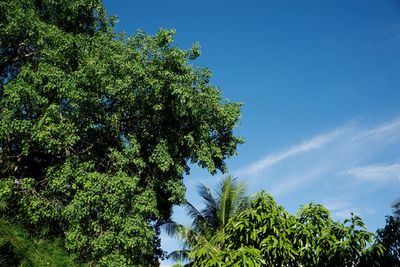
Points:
[(386, 249), (266, 234), (97, 130), (17, 248), (389, 238), (228, 200)]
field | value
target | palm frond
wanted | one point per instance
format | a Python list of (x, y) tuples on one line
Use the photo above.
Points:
[(208, 224), (179, 255), (231, 198), (194, 213), (171, 228), (209, 212), (225, 199), (240, 200)]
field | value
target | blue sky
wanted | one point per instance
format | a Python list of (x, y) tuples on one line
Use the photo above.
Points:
[(320, 85)]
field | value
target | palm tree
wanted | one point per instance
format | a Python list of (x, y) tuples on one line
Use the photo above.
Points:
[(228, 199)]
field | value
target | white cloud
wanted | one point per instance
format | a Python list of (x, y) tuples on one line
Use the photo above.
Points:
[(381, 130), (356, 168), (336, 204), (345, 213), (340, 208), (334, 169), (375, 172), (340, 148), (273, 159), (297, 181)]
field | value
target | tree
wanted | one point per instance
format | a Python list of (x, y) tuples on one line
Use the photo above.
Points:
[(17, 248), (386, 249), (97, 129), (389, 238), (265, 234), (228, 199)]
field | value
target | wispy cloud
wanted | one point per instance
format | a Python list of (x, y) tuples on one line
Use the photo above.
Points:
[(341, 147), (345, 213), (270, 160), (387, 128), (298, 180), (353, 168), (357, 168), (341, 208), (336, 204), (375, 172)]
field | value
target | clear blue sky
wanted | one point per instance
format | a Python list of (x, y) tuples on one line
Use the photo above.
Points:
[(320, 83)]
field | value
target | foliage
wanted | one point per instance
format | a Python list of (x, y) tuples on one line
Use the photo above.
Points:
[(266, 234), (17, 248), (97, 130), (228, 199), (386, 249), (389, 238)]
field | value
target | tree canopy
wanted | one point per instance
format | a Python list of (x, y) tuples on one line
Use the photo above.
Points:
[(18, 248), (386, 249), (389, 238), (265, 234), (97, 129)]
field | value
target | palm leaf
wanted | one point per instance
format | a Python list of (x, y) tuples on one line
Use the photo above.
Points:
[(194, 213), (179, 255), (208, 224), (230, 198), (209, 212)]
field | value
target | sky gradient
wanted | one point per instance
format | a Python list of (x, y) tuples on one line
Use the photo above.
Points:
[(320, 85)]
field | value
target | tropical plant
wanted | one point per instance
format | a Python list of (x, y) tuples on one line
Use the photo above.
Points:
[(265, 234), (18, 248), (98, 129), (228, 199), (389, 238), (386, 249)]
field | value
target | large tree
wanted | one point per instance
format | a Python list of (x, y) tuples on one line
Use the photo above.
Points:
[(18, 248), (97, 129)]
